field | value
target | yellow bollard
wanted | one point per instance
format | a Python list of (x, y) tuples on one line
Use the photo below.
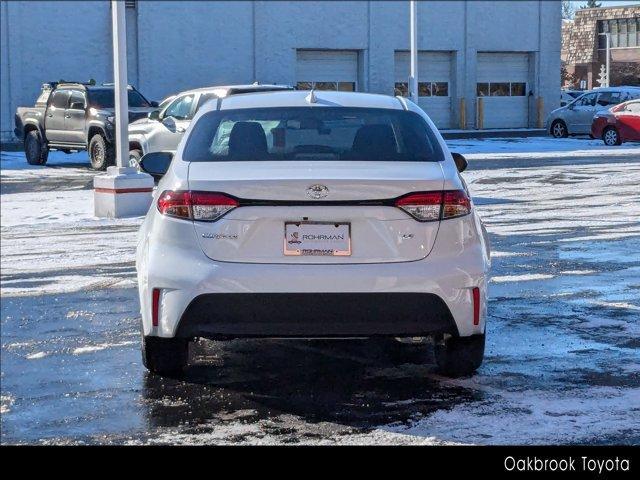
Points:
[(540, 111)]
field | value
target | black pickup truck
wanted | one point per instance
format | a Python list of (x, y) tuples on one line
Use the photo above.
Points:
[(74, 116)]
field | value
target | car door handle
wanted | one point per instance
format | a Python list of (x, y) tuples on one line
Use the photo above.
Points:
[(50, 115), (67, 116), (181, 130)]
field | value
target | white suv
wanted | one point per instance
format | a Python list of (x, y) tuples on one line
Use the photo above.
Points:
[(163, 128), (312, 215)]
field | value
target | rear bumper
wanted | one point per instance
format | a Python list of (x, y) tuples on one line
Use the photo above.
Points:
[(232, 315), (201, 297)]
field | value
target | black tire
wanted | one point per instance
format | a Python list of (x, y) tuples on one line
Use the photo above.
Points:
[(101, 153), (165, 356), (611, 137), (134, 157), (459, 356), (559, 129), (35, 149)]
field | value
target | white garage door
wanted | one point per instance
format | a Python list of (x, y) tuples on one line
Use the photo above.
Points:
[(503, 83), (327, 70), (434, 83)]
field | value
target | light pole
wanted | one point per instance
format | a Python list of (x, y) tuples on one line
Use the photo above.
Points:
[(122, 191), (118, 21), (607, 61), (608, 53), (413, 77)]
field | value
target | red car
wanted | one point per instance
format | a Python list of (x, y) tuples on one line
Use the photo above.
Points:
[(618, 124)]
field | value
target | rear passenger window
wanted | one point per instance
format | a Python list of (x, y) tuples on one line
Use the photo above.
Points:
[(609, 98), (60, 98), (205, 98), (180, 109)]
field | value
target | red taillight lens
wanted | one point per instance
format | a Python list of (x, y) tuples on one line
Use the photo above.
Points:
[(175, 204), (430, 206), (456, 204), (155, 306), (203, 206), (422, 206)]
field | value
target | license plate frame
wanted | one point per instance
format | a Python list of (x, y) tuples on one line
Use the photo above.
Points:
[(342, 247)]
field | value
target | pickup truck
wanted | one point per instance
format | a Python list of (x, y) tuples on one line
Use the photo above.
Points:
[(75, 116)]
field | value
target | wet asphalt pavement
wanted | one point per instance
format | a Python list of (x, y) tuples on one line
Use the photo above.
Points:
[(562, 362)]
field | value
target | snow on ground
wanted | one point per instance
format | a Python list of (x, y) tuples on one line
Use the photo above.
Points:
[(562, 359), (51, 240), (538, 147)]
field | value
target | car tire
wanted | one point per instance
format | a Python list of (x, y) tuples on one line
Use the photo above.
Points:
[(611, 137), (35, 149), (165, 356), (101, 153), (559, 129), (134, 158), (459, 356)]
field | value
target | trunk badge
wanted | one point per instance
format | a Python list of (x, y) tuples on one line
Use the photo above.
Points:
[(317, 191)]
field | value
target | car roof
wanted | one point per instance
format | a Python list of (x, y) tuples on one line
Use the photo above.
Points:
[(248, 88), (302, 98), (614, 89)]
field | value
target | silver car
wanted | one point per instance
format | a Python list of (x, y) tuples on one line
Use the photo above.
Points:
[(163, 129), (576, 117)]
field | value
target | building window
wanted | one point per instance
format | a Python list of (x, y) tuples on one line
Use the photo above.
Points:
[(332, 86), (425, 89), (501, 89), (130, 4), (401, 89), (624, 32)]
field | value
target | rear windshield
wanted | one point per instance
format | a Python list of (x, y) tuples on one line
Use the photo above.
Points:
[(105, 98), (312, 133)]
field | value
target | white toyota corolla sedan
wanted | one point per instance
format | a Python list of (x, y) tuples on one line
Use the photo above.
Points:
[(304, 214)]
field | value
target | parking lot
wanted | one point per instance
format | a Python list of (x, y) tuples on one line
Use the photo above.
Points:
[(563, 356)]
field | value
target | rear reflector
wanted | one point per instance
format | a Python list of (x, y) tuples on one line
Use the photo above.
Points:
[(202, 206), (476, 305), (155, 306), (430, 206)]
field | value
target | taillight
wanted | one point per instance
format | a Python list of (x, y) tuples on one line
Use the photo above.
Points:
[(422, 206), (430, 206), (456, 204), (203, 206)]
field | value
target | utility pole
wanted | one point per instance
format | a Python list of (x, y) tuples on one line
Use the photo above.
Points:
[(413, 77)]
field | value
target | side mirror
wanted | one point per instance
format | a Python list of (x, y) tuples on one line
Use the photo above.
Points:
[(156, 164), (77, 106), (155, 104), (461, 162), (154, 115)]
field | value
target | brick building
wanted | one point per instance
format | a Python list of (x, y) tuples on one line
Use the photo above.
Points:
[(584, 46)]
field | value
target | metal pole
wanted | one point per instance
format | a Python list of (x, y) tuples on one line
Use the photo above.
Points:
[(608, 53), (413, 77), (120, 82)]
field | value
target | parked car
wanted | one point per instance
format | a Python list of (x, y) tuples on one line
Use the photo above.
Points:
[(305, 215), (618, 124), (568, 96), (164, 128), (576, 117), (72, 116)]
